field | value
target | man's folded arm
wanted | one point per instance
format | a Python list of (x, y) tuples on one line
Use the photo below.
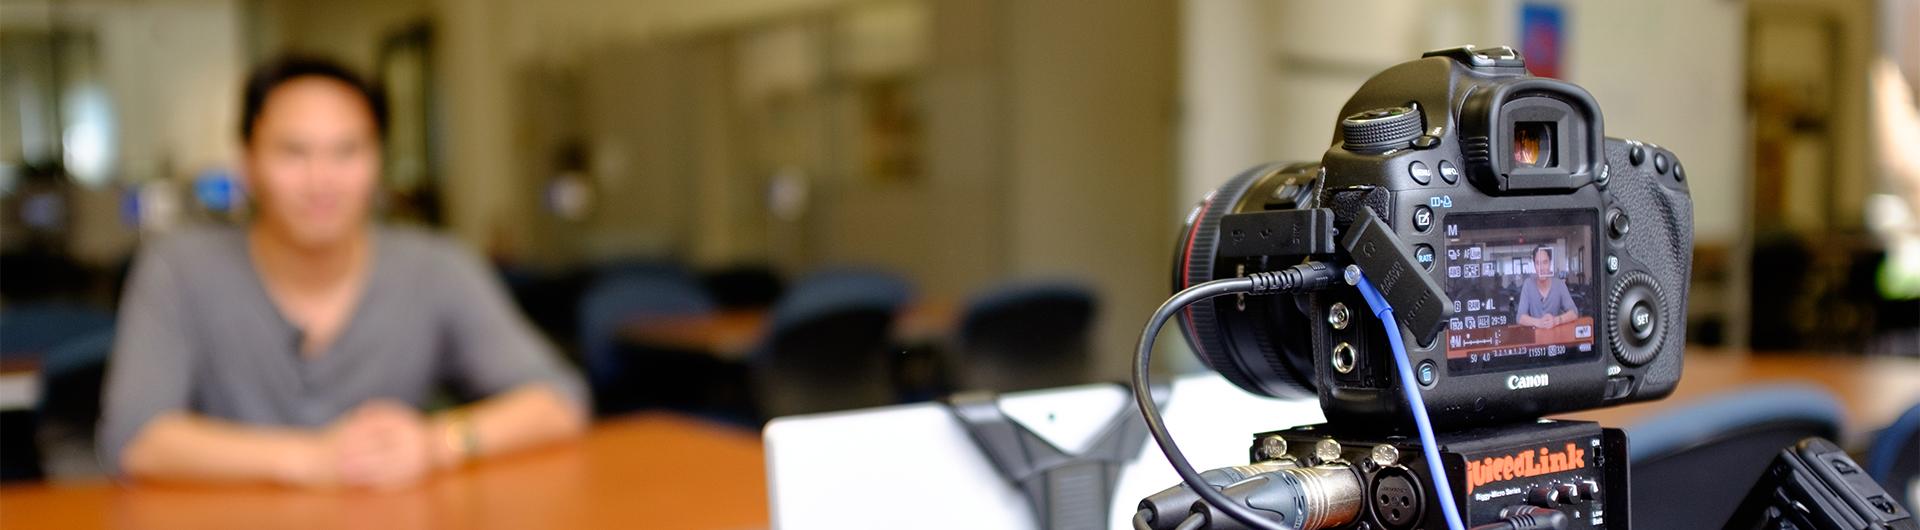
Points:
[(148, 428), (531, 395)]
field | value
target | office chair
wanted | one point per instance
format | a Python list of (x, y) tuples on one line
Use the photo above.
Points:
[(550, 298), (32, 333), (1894, 458), (1692, 464), (33, 329), (745, 286), (72, 376), (628, 376), (841, 287), (1025, 336), (828, 346)]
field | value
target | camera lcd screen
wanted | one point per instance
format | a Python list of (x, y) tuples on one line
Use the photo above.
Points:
[(1523, 287)]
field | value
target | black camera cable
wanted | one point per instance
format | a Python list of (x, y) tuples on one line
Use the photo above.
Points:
[(1165, 510), (1299, 278), (1526, 517)]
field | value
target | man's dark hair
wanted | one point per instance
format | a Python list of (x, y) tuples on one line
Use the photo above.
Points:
[(280, 71)]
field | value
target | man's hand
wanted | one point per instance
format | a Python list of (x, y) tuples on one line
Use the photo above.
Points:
[(382, 444)]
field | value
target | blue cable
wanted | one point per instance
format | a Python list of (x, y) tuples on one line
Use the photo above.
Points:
[(1442, 487)]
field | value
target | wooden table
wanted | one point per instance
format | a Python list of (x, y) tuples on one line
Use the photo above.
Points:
[(733, 334), (664, 471), (651, 471), (1872, 391)]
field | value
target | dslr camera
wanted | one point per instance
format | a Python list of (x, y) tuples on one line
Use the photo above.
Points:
[(1549, 262), (1534, 265)]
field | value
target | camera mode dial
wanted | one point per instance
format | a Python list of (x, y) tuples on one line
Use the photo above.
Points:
[(1380, 130)]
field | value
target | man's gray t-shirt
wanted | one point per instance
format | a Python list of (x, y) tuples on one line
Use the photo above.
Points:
[(198, 333), (1556, 300)]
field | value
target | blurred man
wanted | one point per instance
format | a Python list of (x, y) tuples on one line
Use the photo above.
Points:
[(1546, 303), (301, 348)]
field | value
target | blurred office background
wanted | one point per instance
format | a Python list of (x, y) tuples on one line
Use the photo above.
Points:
[(691, 196)]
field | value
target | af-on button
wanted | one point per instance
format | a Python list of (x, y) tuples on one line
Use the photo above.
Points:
[(1618, 224)]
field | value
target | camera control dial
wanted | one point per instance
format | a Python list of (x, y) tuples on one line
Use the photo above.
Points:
[(1635, 322)]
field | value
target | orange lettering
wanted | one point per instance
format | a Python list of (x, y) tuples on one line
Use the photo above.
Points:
[(1524, 464)]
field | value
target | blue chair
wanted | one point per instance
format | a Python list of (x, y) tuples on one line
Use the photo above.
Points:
[(832, 289), (640, 266), (550, 298), (623, 298), (744, 286), (34, 329), (72, 376), (828, 348), (1026, 335), (1894, 458), (35, 332), (1691, 465)]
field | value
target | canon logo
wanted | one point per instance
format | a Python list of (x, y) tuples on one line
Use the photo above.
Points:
[(1516, 382)]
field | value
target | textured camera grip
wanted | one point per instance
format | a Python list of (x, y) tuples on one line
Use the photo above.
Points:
[(1662, 243)]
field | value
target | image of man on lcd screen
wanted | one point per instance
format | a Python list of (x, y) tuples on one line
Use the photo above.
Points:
[(1545, 302)]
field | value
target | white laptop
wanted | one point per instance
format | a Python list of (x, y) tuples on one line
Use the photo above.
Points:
[(914, 466)]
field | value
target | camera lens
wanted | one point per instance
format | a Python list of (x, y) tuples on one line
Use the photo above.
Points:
[(1533, 144), (1265, 346)]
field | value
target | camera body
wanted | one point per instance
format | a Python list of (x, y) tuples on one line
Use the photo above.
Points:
[(1548, 264)]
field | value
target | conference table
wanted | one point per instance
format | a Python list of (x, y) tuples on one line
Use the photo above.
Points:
[(666, 471), (647, 471)]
